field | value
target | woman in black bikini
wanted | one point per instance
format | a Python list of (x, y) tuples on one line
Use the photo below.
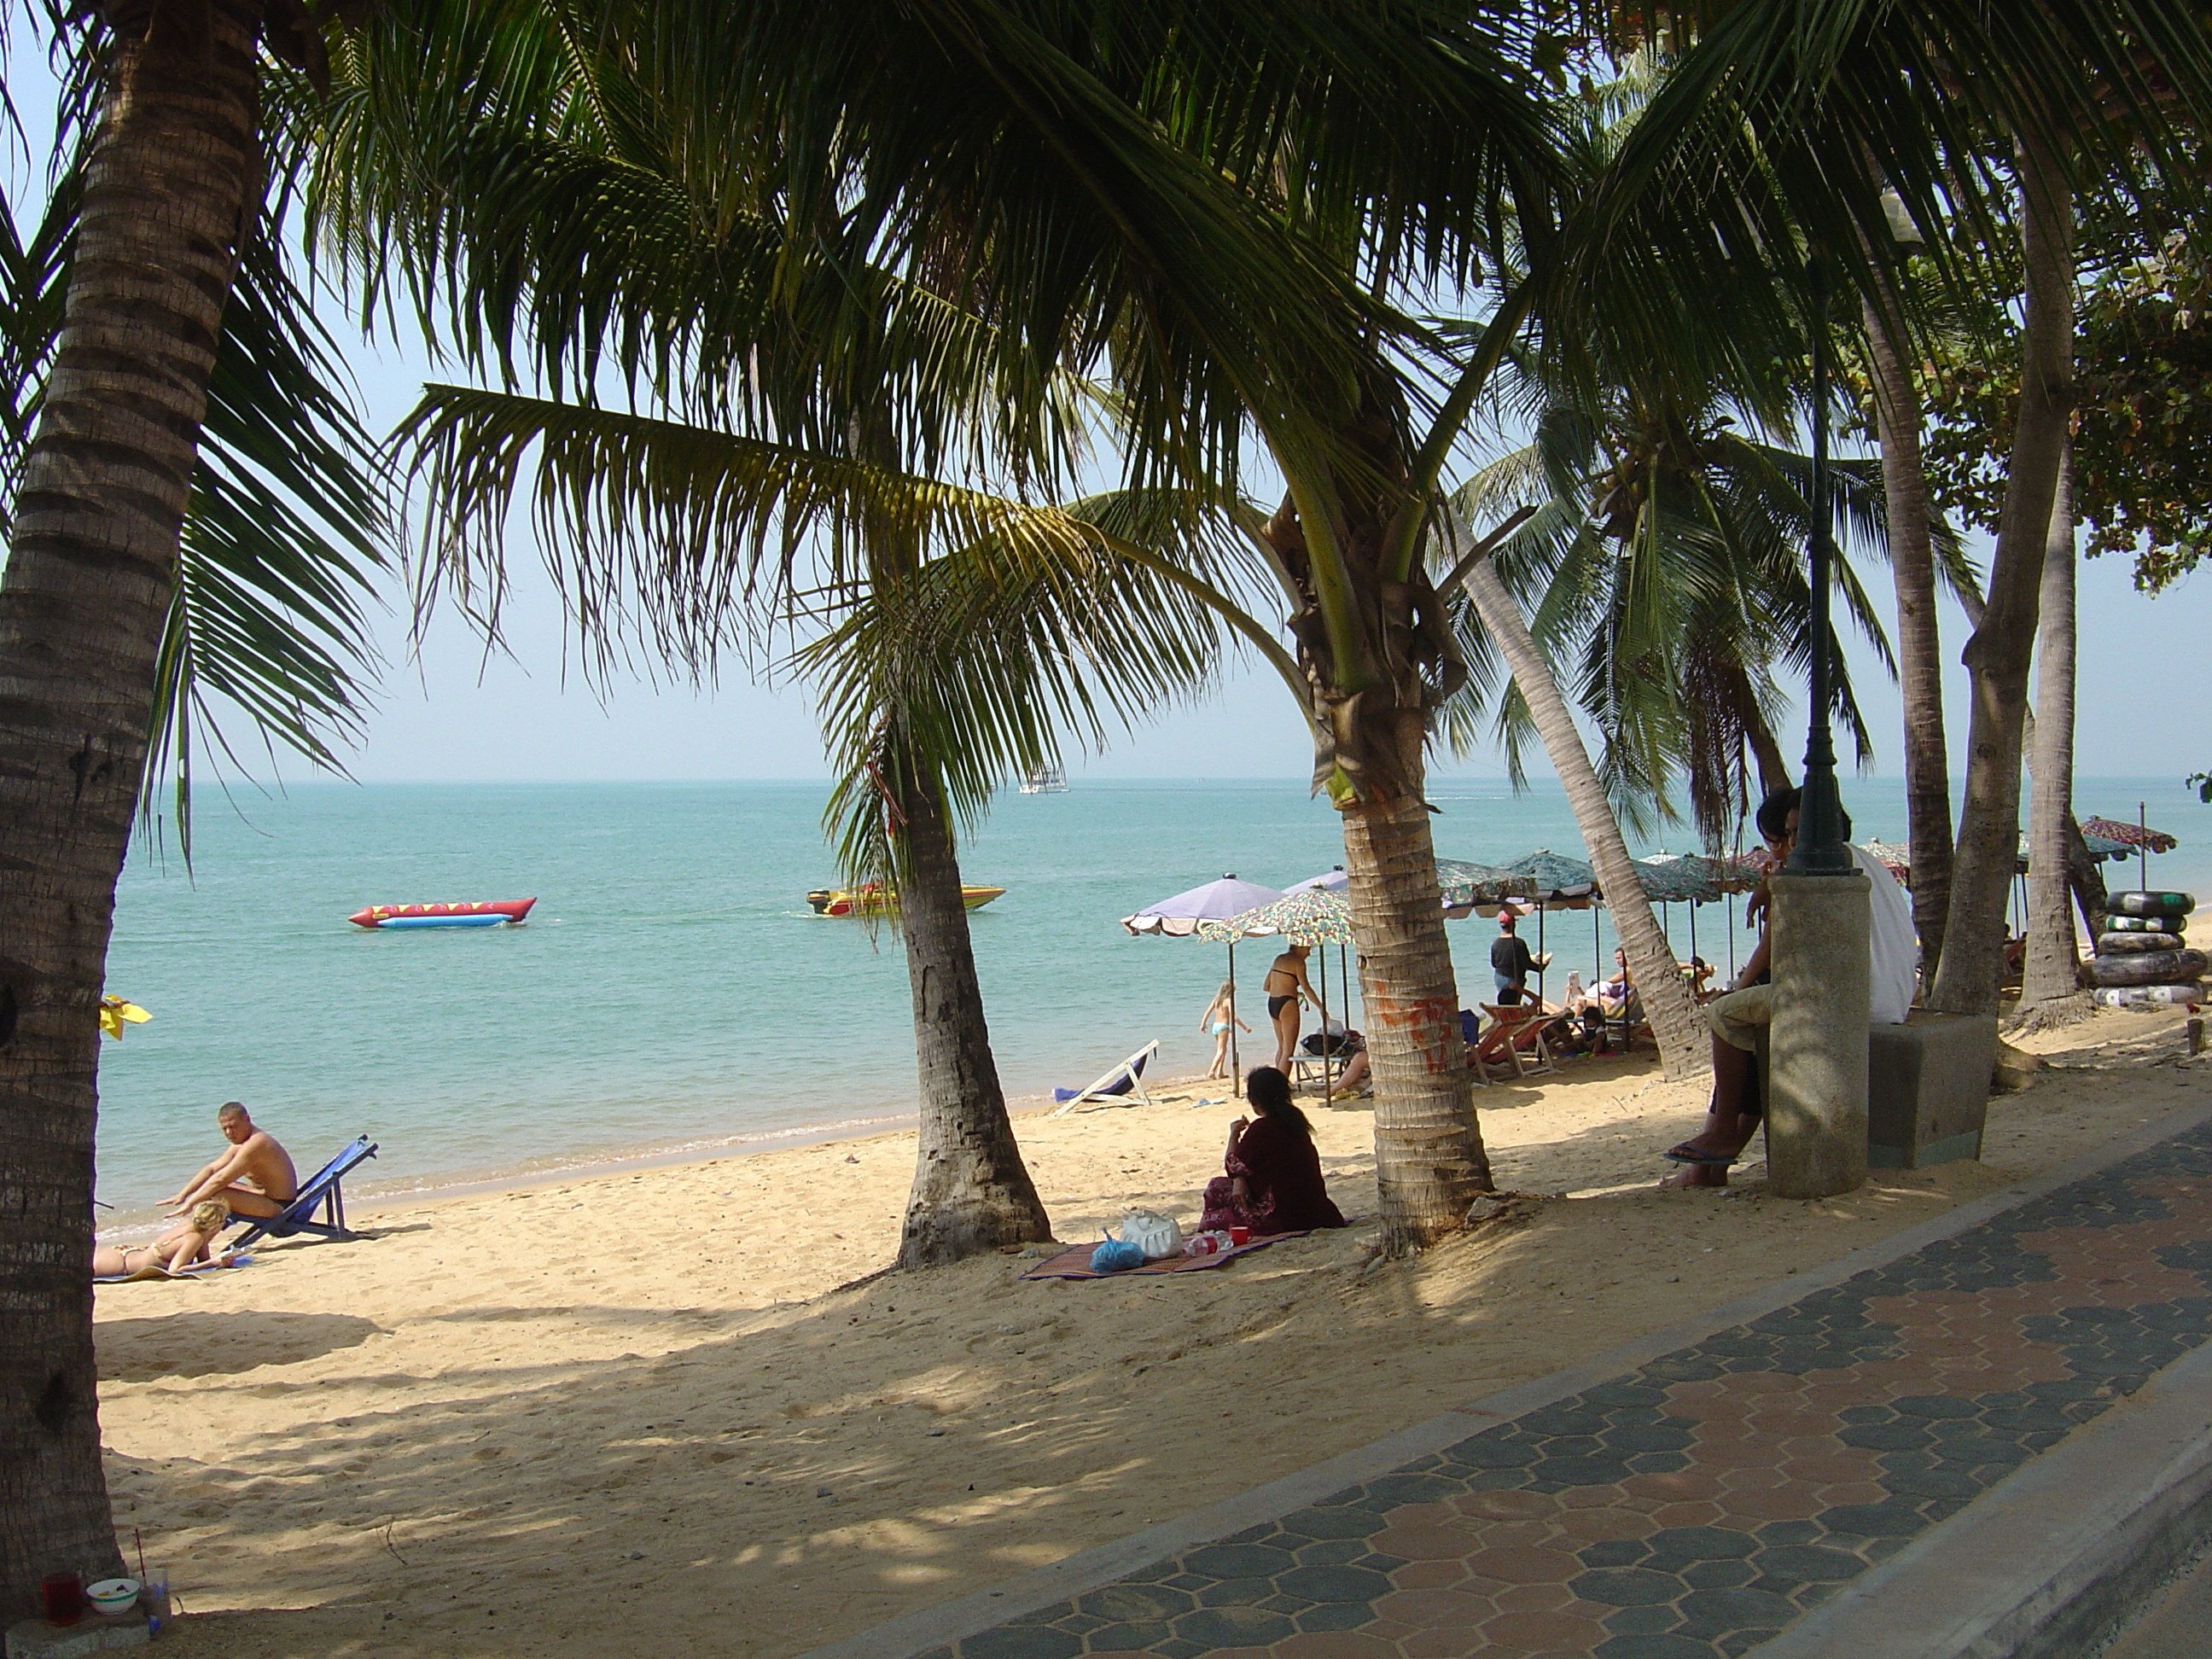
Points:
[(1285, 983)]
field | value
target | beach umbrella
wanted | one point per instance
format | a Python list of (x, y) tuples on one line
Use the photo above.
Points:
[(2138, 835), (1554, 878), (1315, 916), (1179, 918), (1333, 879), (1559, 883)]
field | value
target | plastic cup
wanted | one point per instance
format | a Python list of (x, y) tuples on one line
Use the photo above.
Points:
[(61, 1597), (1239, 1237), (154, 1598)]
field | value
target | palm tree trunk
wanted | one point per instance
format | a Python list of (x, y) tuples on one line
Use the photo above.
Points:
[(1998, 656), (171, 178), (2086, 876), (1429, 1162), (1919, 647), (971, 1193), (1766, 751), (1684, 1044), (2051, 994)]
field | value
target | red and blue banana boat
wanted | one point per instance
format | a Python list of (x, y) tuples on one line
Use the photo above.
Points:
[(485, 912)]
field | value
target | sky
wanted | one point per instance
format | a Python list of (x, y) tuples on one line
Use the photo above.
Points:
[(449, 711)]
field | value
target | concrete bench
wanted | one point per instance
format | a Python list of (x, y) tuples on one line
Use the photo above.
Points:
[(1928, 1088)]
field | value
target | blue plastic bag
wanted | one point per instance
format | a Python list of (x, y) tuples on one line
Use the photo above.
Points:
[(1115, 1255)]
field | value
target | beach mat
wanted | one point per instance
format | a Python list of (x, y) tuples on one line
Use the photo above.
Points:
[(1074, 1262)]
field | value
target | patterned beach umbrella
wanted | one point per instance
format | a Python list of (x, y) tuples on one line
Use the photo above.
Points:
[(1462, 884), (1313, 917), (1669, 880), (1553, 878), (1466, 884), (1897, 860), (2128, 835)]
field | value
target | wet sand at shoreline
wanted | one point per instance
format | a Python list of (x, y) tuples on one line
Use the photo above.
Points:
[(682, 1406)]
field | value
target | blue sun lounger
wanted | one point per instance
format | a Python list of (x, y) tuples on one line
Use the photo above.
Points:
[(325, 1190), (1115, 1088)]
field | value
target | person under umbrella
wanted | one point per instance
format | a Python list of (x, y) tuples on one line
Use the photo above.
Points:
[(1510, 962)]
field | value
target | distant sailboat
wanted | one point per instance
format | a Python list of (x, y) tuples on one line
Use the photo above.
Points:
[(1046, 781)]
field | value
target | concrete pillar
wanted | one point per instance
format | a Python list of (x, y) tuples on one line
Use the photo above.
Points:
[(1816, 1106)]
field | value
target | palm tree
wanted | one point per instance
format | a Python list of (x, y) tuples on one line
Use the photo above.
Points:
[(1204, 204), (2050, 993), (1998, 654), (1146, 170), (1898, 422), (953, 636), (1662, 546), (122, 348)]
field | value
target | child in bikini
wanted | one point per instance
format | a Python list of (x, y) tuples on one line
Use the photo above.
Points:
[(1220, 1014)]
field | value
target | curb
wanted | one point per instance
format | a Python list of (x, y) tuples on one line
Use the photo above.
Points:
[(1088, 1569)]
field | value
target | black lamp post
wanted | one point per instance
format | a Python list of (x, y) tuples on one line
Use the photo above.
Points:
[(1820, 850)]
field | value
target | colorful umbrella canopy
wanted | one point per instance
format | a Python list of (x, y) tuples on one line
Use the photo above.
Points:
[(1462, 884), (1218, 901), (1466, 884), (1669, 880), (1313, 917), (2130, 835), (1554, 876), (1897, 860)]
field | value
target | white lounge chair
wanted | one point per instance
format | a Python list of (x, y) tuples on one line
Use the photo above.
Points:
[(1122, 1086)]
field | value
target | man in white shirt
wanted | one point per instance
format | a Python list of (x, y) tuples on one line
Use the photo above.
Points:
[(1893, 950)]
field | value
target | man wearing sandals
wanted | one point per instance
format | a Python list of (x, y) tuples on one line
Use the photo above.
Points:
[(1733, 1118)]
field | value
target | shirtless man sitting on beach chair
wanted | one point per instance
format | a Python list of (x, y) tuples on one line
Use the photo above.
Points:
[(254, 1177)]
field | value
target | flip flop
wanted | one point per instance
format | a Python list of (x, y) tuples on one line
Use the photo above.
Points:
[(1685, 1153)]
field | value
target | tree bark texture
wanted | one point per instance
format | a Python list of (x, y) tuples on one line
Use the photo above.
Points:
[(172, 176), (1378, 658), (1684, 1043), (1919, 647), (2051, 993), (971, 1193), (1430, 1163), (1998, 656), (1767, 752)]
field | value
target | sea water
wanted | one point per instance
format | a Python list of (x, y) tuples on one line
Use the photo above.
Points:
[(673, 994)]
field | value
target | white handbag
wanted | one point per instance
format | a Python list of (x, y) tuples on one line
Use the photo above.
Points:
[(1156, 1235)]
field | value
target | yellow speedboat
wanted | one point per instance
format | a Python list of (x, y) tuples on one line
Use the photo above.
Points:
[(874, 899)]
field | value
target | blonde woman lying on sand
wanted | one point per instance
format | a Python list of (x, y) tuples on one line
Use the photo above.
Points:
[(181, 1247)]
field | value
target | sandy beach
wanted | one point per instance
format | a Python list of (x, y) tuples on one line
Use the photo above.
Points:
[(680, 1405)]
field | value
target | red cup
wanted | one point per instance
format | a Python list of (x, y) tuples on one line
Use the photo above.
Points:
[(1239, 1237), (62, 1596)]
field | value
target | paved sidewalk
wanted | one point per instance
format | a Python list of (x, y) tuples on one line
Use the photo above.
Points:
[(1703, 1501)]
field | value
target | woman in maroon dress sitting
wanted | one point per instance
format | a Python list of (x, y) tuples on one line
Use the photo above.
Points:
[(1273, 1183)]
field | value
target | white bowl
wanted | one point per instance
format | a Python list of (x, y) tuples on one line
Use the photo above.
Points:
[(113, 1596)]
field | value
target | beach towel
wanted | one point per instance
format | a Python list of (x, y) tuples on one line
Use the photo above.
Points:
[(151, 1272), (1074, 1262)]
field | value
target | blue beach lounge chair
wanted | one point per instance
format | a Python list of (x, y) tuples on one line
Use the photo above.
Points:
[(325, 1190), (1121, 1085)]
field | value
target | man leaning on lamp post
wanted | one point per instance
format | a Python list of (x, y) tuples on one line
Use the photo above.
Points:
[(1893, 950)]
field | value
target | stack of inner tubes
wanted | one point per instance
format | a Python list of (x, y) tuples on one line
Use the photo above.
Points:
[(2142, 960)]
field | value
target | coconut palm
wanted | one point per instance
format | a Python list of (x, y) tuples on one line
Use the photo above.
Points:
[(2050, 992), (953, 637), (152, 577), (1660, 549), (1011, 158), (1045, 179)]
